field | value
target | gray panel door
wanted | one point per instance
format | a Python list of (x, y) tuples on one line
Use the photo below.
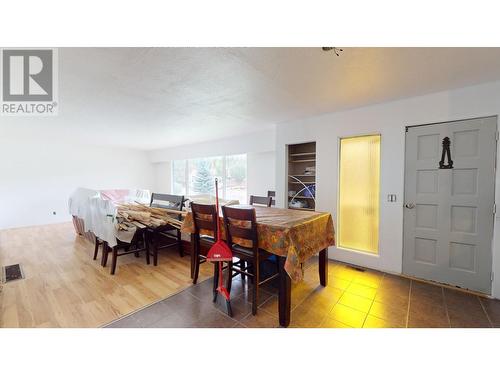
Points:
[(449, 213)]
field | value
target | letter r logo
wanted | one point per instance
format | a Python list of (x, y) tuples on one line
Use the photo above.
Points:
[(27, 75)]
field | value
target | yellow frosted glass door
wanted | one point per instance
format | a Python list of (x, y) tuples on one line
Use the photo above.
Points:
[(359, 193)]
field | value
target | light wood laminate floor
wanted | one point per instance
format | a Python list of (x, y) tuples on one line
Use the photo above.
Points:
[(64, 287)]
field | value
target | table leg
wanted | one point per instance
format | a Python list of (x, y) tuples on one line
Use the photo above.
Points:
[(193, 253), (323, 267), (285, 293), (155, 250)]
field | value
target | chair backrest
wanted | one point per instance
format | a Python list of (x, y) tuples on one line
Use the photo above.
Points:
[(173, 202), (261, 201), (272, 194), (204, 218), (240, 223)]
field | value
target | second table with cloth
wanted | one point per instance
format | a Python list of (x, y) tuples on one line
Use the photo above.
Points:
[(293, 236)]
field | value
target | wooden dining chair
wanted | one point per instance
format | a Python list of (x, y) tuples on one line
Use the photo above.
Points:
[(138, 244), (204, 220), (272, 194), (255, 200), (241, 224), (105, 250), (166, 232)]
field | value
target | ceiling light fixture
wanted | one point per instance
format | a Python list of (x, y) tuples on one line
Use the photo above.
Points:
[(334, 49)]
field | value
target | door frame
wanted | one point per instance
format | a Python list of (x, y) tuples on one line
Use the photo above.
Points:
[(492, 240)]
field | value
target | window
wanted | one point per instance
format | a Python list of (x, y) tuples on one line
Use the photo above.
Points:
[(179, 177), (236, 178), (202, 173), (196, 176), (359, 193)]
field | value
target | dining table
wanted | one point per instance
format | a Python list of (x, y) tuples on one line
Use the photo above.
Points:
[(294, 236)]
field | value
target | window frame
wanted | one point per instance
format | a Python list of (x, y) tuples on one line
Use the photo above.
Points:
[(339, 162)]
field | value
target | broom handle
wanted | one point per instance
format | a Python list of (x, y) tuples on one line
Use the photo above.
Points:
[(217, 207), (218, 228)]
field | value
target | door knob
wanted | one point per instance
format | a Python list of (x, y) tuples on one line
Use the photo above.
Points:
[(410, 205)]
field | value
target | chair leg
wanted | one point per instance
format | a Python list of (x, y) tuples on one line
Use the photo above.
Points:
[(250, 269), (179, 243), (216, 281), (114, 259), (243, 268), (105, 252), (229, 281), (96, 248), (136, 254), (196, 263)]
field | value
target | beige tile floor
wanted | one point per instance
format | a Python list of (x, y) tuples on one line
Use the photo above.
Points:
[(64, 287), (353, 299)]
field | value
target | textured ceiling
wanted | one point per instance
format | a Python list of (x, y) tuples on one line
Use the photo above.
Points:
[(150, 98)]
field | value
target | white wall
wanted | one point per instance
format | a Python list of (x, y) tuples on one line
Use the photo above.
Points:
[(37, 176), (254, 142), (388, 119), (162, 177), (261, 172), (259, 148)]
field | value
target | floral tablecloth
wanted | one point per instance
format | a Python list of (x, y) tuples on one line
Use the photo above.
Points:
[(294, 234)]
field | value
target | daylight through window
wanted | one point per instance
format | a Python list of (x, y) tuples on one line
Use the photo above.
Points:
[(196, 176)]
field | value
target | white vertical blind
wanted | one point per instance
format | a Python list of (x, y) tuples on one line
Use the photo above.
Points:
[(359, 193)]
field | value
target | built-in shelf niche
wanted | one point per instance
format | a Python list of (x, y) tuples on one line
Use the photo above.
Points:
[(301, 174)]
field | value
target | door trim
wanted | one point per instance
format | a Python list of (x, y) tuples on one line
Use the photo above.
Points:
[(448, 121), (407, 127)]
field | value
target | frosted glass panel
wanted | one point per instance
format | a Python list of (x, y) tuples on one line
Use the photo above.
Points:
[(359, 193)]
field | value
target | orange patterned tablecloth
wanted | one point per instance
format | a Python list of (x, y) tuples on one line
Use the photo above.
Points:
[(294, 234)]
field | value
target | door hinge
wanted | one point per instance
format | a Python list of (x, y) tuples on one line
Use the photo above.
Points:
[(496, 136), (492, 276), (494, 208)]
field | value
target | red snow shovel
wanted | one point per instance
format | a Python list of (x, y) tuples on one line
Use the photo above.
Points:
[(220, 252)]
